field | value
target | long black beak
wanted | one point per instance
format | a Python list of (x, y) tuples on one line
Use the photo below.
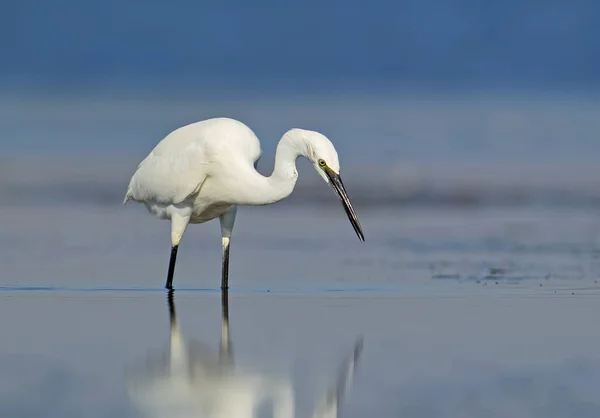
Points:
[(340, 190)]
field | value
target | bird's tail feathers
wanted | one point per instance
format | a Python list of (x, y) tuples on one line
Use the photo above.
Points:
[(127, 197)]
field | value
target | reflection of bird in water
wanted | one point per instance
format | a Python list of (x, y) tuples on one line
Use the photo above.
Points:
[(191, 382), (330, 404)]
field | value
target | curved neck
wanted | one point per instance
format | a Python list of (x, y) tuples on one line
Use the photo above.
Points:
[(261, 190)]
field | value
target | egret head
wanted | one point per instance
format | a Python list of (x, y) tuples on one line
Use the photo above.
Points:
[(324, 158)]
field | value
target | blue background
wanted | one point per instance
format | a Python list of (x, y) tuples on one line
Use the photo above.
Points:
[(300, 45)]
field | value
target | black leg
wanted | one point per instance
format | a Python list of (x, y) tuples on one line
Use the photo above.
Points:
[(172, 260), (225, 268), (227, 220), (225, 351), (225, 306), (171, 300)]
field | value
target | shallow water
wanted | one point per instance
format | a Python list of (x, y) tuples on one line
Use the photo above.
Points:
[(463, 313)]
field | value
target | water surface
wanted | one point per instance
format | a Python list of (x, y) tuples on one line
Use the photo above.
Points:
[(463, 313)]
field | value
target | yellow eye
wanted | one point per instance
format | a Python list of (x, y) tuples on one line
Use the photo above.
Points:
[(322, 163)]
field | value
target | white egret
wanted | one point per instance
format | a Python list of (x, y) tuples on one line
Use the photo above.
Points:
[(190, 381), (204, 170)]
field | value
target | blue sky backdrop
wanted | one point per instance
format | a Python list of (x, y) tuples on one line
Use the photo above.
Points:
[(350, 44)]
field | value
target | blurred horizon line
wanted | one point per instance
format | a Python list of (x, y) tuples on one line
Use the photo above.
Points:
[(102, 182)]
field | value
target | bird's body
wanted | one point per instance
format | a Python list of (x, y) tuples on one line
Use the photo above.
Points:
[(185, 170), (204, 170)]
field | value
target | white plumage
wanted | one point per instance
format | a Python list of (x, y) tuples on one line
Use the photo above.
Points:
[(206, 169)]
